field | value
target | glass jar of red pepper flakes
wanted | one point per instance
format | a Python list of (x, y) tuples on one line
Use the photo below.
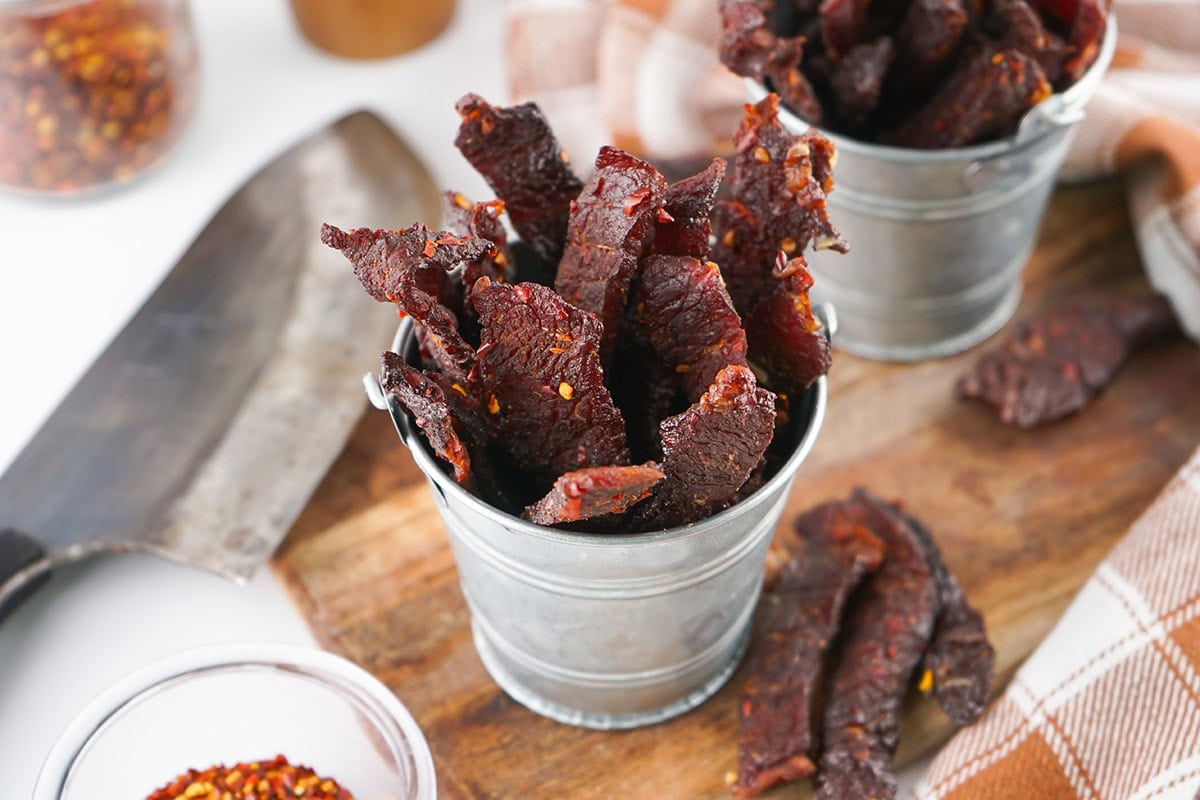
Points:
[(92, 92)]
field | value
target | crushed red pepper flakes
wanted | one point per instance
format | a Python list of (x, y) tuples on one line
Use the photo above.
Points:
[(276, 779)]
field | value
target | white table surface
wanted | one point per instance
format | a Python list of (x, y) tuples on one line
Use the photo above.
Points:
[(73, 272)]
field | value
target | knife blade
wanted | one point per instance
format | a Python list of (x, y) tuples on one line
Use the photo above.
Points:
[(202, 429)]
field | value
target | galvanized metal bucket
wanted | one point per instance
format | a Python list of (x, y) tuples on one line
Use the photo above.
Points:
[(938, 238), (609, 631)]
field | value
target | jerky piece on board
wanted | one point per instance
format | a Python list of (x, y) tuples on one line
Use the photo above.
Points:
[(688, 206), (778, 711), (749, 48), (517, 154), (396, 266), (858, 79), (1056, 362), (785, 337), (539, 367), (960, 662), (594, 492), (780, 185), (883, 640), (481, 221), (427, 402), (983, 100), (611, 224), (709, 450), (690, 319)]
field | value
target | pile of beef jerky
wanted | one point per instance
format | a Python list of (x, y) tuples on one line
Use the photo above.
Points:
[(598, 373), (913, 73), (865, 606)]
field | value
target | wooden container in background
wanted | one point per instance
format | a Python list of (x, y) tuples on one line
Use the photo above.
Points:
[(371, 28)]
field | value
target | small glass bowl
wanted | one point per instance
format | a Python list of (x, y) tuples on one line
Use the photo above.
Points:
[(233, 703)]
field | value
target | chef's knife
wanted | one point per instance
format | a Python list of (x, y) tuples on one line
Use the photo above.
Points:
[(202, 429)]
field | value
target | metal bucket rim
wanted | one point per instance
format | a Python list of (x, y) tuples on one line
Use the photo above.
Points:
[(1070, 101), (818, 392)]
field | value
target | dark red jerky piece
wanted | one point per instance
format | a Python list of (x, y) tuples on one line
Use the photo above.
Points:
[(884, 636), (1056, 362), (843, 23), (749, 48), (539, 369), (481, 221), (611, 225), (1087, 31), (960, 659), (781, 182), (785, 338), (594, 492), (984, 100), (778, 711), (428, 404), (689, 205), (710, 449), (690, 319), (644, 388), (398, 266), (517, 154), (929, 35), (858, 80), (1018, 27)]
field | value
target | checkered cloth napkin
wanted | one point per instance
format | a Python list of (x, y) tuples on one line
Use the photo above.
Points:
[(644, 75)]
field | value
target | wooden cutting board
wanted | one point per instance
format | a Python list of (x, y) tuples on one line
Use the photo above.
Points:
[(1022, 517)]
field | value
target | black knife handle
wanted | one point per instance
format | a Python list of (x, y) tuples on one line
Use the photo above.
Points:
[(23, 568)]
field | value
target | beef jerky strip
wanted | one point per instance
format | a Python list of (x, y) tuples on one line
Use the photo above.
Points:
[(749, 48), (776, 736), (984, 100), (396, 266), (1087, 31), (960, 662), (690, 319), (785, 337), (1018, 27), (843, 24), (929, 35), (481, 221), (594, 492), (780, 185), (539, 366), (709, 450), (689, 204), (428, 404), (611, 225), (1057, 362), (883, 639), (645, 389), (858, 80), (517, 154)]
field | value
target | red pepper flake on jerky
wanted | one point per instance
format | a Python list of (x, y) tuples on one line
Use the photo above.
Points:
[(884, 638), (690, 319), (778, 711), (684, 227), (397, 267), (517, 154), (1057, 362), (539, 368), (710, 449), (611, 224), (594, 492)]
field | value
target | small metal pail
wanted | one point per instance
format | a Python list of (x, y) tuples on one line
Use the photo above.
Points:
[(938, 238), (609, 631)]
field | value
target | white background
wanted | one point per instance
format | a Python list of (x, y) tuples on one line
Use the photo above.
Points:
[(72, 273)]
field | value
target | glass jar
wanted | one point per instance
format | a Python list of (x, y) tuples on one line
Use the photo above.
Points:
[(92, 92)]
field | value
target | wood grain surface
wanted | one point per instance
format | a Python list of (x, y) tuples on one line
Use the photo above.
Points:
[(1022, 517)]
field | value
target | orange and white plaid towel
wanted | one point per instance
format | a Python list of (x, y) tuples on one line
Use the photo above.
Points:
[(1108, 706), (644, 75)]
